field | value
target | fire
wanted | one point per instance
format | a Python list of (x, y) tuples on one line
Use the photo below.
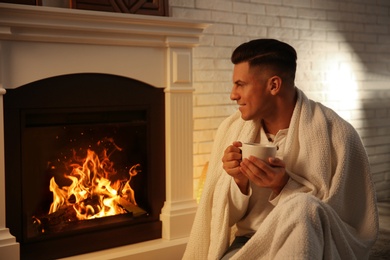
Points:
[(91, 193)]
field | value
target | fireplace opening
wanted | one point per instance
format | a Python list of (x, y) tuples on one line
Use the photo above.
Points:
[(85, 157)]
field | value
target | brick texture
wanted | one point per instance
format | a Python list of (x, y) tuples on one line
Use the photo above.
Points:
[(343, 62)]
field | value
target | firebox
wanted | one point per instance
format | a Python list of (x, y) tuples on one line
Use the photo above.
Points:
[(85, 157)]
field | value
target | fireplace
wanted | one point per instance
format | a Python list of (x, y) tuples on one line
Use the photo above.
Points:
[(49, 49), (92, 163)]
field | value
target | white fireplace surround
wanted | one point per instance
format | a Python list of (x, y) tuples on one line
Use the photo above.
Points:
[(42, 42)]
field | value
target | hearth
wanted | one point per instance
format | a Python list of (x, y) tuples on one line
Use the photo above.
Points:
[(85, 156)]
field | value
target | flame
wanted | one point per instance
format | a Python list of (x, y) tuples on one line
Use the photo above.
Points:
[(91, 193)]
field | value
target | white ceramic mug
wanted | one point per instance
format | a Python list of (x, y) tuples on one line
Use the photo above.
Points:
[(261, 151)]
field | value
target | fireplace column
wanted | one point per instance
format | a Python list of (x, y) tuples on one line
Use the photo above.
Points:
[(9, 248), (179, 208)]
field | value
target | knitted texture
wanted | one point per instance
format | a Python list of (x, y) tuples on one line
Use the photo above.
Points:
[(327, 210)]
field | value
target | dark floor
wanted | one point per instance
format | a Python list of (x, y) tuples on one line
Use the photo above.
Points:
[(381, 249)]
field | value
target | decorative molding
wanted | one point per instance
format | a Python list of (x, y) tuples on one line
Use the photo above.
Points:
[(61, 25), (33, 25), (179, 64), (148, 7), (144, 7)]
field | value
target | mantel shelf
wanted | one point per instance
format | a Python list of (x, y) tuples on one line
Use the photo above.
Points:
[(39, 23)]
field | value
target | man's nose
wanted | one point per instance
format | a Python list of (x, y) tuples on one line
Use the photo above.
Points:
[(233, 94)]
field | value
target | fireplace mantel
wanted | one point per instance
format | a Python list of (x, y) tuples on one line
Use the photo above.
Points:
[(42, 42), (126, 35)]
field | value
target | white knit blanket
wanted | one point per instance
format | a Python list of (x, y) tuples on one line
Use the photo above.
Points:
[(324, 157)]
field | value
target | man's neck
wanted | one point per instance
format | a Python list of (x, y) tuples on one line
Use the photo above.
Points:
[(274, 127), (281, 118)]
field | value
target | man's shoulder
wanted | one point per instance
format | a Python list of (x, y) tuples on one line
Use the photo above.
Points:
[(337, 124), (322, 114), (333, 116)]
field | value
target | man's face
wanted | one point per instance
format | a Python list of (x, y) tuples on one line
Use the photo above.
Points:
[(251, 92)]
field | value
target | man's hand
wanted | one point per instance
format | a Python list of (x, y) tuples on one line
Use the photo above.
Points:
[(231, 164), (262, 174)]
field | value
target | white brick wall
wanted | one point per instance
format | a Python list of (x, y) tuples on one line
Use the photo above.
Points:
[(343, 61)]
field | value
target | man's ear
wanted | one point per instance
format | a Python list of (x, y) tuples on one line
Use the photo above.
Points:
[(275, 84)]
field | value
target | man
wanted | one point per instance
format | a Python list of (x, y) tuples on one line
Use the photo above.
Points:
[(314, 200)]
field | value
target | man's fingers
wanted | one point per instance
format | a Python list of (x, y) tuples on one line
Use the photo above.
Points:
[(276, 162), (237, 144)]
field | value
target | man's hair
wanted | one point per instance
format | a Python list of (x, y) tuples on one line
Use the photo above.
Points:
[(270, 53)]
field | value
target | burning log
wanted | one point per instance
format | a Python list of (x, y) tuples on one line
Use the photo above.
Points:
[(65, 218), (131, 208), (55, 222), (92, 194)]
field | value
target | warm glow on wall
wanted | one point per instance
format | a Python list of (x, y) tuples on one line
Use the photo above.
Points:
[(341, 86)]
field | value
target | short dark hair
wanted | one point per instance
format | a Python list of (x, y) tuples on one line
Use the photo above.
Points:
[(277, 55)]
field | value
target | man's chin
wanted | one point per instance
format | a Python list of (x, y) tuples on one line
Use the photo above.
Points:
[(248, 118), (244, 117)]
